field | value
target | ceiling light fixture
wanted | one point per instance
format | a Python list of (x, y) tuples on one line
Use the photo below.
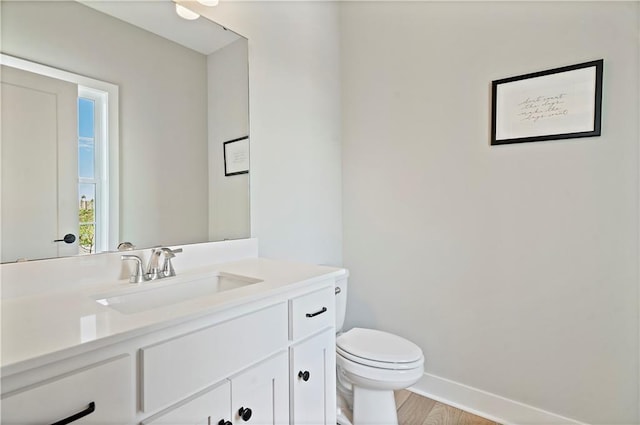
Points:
[(185, 13), (208, 2)]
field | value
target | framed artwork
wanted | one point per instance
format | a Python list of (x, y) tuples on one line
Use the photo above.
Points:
[(236, 156), (560, 103)]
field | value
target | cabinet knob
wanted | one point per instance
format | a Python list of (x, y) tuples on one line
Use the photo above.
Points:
[(223, 422), (245, 413), (304, 375)]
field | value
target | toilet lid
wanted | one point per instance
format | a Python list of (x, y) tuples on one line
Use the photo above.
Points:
[(378, 346)]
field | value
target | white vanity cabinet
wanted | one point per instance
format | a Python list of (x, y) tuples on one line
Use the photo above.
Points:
[(97, 394), (270, 361), (295, 386)]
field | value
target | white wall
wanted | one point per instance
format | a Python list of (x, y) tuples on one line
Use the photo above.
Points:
[(295, 125), (228, 99), (515, 268), (163, 154)]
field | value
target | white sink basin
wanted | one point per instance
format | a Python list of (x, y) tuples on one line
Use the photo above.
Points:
[(161, 293)]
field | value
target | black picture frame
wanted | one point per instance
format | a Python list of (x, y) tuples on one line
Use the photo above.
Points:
[(236, 156), (559, 103)]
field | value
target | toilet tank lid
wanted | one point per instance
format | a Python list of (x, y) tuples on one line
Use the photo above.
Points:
[(377, 345)]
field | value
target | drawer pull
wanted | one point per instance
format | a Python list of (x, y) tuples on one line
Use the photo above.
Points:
[(89, 410), (317, 312), (245, 414), (304, 375)]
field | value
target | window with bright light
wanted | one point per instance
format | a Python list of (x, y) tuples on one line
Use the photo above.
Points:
[(92, 168)]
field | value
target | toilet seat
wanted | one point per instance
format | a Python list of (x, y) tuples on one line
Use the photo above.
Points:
[(379, 349), (378, 364)]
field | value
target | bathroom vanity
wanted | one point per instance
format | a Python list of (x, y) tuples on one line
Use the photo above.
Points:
[(244, 341)]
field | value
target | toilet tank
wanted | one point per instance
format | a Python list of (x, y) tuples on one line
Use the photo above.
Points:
[(341, 300)]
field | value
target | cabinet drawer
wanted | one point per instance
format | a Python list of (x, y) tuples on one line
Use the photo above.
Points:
[(214, 403), (104, 386), (312, 312), (180, 367)]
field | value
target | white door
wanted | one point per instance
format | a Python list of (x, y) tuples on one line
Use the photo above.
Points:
[(259, 395), (39, 166), (313, 388)]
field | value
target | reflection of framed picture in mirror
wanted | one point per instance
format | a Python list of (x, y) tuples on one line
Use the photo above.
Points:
[(236, 156), (561, 103)]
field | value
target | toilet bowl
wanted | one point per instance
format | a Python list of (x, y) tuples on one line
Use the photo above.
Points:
[(371, 365)]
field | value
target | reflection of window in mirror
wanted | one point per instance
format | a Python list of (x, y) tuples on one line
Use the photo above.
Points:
[(93, 205)]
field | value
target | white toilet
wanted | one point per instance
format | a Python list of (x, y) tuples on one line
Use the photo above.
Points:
[(371, 365)]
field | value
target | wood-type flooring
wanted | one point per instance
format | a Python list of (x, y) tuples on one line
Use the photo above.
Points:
[(413, 409)]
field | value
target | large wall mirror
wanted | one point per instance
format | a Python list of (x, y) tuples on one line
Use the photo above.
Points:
[(115, 117)]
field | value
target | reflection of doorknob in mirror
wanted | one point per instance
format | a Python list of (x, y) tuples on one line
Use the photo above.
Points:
[(126, 246), (68, 238)]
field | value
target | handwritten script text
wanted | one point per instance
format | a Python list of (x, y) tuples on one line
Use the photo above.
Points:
[(538, 108)]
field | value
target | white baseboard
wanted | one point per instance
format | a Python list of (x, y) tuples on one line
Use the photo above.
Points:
[(487, 405)]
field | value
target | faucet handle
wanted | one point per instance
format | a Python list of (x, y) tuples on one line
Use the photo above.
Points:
[(167, 266), (170, 253), (138, 276)]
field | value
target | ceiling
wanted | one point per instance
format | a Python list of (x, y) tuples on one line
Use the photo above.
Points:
[(159, 17)]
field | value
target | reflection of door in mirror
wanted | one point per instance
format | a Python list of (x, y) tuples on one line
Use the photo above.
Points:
[(60, 163), (39, 124), (177, 90)]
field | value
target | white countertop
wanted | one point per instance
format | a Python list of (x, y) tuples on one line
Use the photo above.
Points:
[(68, 321)]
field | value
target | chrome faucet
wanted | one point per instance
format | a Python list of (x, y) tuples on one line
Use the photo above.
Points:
[(154, 271)]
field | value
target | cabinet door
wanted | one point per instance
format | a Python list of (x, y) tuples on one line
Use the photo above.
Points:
[(260, 394), (313, 374), (99, 394), (208, 407)]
